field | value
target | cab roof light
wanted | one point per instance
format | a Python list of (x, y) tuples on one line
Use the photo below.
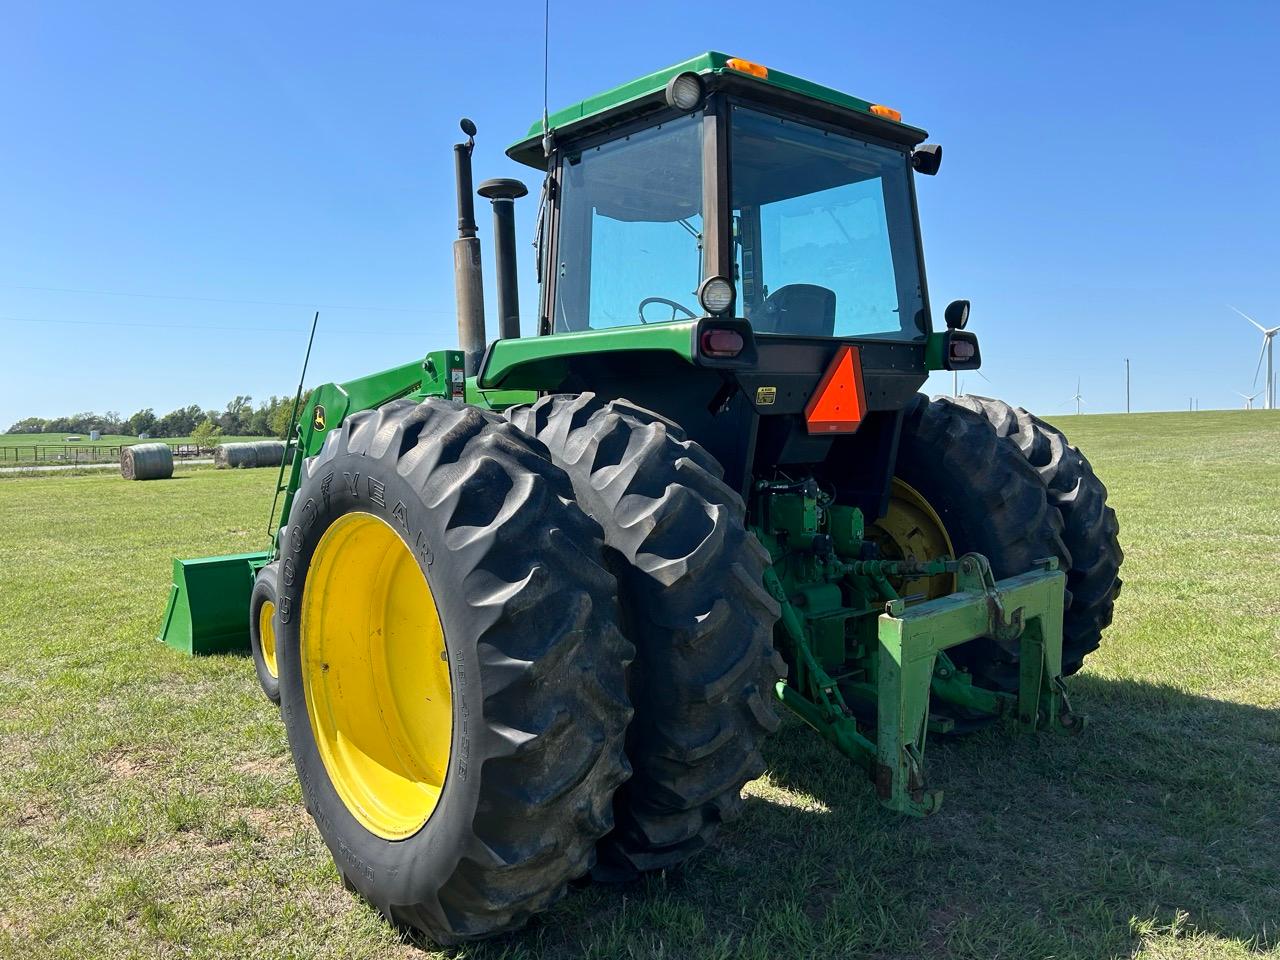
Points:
[(746, 66), (880, 110)]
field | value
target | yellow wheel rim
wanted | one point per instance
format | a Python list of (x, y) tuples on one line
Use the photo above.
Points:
[(267, 636), (375, 675), (912, 530)]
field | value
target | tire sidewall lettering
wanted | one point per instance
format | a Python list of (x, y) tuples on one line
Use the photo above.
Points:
[(374, 864)]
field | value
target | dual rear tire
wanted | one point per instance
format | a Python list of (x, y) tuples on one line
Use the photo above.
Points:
[(1009, 486), (691, 579), (454, 680)]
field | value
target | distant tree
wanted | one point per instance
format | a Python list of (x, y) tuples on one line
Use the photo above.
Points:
[(144, 421), (235, 419), (205, 434), (283, 411), (110, 422), (239, 418), (260, 422), (178, 423), (30, 425)]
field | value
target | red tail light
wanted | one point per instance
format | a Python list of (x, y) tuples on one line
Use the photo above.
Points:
[(721, 343)]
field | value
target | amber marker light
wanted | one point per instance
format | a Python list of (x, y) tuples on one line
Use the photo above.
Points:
[(746, 66), (880, 110)]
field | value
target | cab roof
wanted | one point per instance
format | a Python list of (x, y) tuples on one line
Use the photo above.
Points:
[(646, 94)]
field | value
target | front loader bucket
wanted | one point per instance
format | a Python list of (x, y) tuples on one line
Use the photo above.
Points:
[(208, 608)]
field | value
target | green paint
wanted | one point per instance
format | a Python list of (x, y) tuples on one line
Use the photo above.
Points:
[(851, 640), (541, 363), (208, 610), (935, 355), (429, 376), (629, 95), (497, 399)]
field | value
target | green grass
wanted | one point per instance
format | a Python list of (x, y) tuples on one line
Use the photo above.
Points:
[(148, 806), (42, 439)]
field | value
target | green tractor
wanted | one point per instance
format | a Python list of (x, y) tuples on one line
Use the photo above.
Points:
[(533, 605)]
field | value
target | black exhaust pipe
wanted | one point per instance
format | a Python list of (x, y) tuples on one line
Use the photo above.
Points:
[(468, 278), (502, 194)]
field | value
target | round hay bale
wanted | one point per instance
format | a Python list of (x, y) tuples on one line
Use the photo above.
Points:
[(146, 461), (258, 453), (269, 452)]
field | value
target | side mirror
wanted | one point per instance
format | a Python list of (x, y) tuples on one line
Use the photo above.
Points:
[(927, 158), (956, 314)]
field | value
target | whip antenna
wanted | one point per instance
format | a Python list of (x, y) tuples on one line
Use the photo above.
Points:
[(291, 436), (546, 71)]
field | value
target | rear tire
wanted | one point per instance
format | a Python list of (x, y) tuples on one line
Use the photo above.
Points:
[(990, 500), (1090, 529), (696, 608), (263, 630), (534, 675)]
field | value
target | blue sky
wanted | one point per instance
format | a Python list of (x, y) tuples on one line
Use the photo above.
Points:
[(180, 183)]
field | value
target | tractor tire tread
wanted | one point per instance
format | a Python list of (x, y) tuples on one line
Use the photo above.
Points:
[(1090, 528), (695, 606), (547, 743), (990, 499)]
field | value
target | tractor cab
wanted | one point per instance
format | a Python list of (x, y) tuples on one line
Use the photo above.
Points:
[(732, 201), (728, 217)]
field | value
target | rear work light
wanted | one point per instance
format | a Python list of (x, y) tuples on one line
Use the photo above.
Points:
[(718, 342), (684, 91)]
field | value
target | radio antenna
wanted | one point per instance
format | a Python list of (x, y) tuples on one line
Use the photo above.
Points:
[(291, 436), (546, 72)]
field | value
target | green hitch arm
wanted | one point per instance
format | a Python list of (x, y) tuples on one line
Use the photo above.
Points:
[(813, 695), (1026, 609)]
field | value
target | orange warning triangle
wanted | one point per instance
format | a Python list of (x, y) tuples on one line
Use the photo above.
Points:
[(839, 403)]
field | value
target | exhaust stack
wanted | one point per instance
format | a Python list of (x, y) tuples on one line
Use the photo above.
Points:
[(502, 194), (468, 278)]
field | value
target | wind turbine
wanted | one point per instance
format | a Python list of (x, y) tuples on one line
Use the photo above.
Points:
[(1248, 400), (1077, 398), (1268, 350)]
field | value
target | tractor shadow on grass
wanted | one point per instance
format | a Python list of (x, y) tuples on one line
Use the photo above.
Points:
[(1161, 816)]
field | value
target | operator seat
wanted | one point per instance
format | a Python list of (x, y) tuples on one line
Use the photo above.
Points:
[(800, 310)]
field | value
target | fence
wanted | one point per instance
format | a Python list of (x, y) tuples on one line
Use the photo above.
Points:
[(74, 453)]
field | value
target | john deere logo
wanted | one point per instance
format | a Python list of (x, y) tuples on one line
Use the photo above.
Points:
[(317, 419)]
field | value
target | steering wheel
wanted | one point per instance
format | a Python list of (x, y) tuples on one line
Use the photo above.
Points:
[(669, 303)]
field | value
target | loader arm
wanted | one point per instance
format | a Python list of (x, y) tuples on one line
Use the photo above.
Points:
[(209, 597)]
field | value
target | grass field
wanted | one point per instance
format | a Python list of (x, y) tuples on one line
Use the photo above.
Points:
[(148, 805)]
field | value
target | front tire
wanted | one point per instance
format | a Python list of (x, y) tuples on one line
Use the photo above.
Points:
[(452, 678), (263, 602)]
